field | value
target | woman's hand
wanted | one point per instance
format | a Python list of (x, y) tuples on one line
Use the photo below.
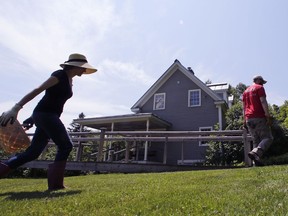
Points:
[(10, 115)]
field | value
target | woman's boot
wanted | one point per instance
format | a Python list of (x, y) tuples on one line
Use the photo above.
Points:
[(4, 169), (56, 175)]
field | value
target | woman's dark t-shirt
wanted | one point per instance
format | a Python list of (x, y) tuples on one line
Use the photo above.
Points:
[(55, 97)]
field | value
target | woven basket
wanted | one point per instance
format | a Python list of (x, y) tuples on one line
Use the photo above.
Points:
[(13, 138)]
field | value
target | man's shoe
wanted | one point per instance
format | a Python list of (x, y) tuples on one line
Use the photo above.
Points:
[(254, 156)]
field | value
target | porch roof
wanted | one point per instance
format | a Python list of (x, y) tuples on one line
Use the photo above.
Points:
[(128, 122)]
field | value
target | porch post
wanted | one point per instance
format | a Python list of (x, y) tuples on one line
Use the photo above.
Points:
[(101, 144), (220, 117), (127, 143), (165, 151), (80, 147), (247, 148), (182, 152), (110, 144), (146, 142)]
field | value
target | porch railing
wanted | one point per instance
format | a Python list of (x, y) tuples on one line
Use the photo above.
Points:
[(102, 137)]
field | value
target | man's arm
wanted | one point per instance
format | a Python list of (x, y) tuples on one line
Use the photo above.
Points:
[(266, 109), (265, 106)]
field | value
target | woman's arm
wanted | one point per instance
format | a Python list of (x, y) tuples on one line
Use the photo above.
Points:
[(11, 115), (47, 84)]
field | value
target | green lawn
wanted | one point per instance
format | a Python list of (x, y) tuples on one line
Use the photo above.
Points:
[(244, 191)]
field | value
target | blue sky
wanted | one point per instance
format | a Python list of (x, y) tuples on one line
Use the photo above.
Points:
[(132, 43)]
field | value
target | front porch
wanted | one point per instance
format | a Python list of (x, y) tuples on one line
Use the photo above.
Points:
[(102, 161)]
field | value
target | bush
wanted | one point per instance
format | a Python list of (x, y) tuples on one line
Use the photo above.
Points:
[(280, 142), (276, 160), (225, 153)]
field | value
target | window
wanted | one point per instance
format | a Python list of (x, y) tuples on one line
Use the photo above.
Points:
[(159, 101), (194, 98), (204, 143), (221, 95)]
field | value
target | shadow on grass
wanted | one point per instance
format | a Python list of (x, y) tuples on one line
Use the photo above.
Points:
[(38, 194)]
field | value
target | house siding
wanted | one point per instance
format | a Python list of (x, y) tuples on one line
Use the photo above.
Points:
[(183, 117)]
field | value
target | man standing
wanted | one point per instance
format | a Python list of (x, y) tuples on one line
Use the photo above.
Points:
[(257, 118)]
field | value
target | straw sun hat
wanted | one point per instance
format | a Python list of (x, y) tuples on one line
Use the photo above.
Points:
[(79, 60)]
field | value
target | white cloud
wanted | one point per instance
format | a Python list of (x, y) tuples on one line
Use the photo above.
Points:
[(94, 108), (42, 33), (127, 71), (131, 44), (91, 108), (203, 72)]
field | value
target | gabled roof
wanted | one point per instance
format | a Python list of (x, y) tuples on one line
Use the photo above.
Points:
[(168, 73)]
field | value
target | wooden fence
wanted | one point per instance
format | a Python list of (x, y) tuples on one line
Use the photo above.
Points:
[(104, 153)]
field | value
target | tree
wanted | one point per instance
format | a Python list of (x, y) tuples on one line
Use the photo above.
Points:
[(234, 116), (237, 91), (281, 113), (279, 130), (75, 127), (229, 153), (208, 82), (89, 146)]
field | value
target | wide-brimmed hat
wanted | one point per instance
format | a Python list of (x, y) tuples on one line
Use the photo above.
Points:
[(259, 78), (79, 60)]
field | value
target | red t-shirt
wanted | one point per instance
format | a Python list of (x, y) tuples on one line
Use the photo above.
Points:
[(252, 104)]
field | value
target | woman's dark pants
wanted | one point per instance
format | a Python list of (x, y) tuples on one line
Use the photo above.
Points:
[(49, 126)]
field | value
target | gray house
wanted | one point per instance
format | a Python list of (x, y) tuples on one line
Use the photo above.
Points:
[(177, 101)]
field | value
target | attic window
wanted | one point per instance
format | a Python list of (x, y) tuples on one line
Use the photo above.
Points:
[(159, 101), (194, 98)]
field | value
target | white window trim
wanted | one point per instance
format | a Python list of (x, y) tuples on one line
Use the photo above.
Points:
[(189, 162), (189, 96), (164, 101), (205, 129)]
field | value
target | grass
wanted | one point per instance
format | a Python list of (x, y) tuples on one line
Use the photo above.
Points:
[(244, 191)]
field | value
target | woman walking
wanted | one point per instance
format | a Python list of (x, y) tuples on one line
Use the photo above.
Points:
[(46, 116)]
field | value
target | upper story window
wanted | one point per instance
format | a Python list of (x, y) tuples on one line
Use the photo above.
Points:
[(159, 101), (194, 98)]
